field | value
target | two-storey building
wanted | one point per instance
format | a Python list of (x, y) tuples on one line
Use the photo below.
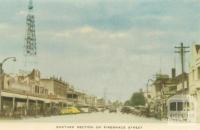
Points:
[(194, 76)]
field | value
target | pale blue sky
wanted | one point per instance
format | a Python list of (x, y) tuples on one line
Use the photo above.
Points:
[(97, 44)]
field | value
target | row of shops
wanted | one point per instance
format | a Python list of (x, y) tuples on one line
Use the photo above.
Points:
[(26, 94), (17, 105)]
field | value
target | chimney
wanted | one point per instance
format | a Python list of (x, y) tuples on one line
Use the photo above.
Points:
[(173, 72), (141, 90)]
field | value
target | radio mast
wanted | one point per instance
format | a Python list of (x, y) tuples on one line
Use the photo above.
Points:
[(30, 46)]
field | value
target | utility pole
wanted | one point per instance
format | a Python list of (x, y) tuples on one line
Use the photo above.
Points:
[(182, 50)]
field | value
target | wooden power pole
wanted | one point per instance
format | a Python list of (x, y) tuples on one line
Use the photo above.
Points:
[(182, 51)]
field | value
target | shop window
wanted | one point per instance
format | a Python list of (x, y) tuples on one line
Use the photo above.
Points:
[(198, 73), (8, 83), (36, 89), (193, 74), (46, 91)]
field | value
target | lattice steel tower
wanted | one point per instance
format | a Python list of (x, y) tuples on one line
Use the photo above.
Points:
[(30, 37)]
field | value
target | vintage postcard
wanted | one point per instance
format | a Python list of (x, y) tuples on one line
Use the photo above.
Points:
[(99, 64)]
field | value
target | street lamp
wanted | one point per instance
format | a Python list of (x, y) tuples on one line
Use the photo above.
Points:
[(1, 64), (1, 75)]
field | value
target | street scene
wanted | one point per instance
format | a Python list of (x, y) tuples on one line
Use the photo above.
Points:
[(99, 61), (97, 117)]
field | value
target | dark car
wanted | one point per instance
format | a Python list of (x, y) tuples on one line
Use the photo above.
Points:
[(93, 109), (112, 109), (126, 110), (142, 110)]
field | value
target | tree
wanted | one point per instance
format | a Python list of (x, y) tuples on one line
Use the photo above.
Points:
[(136, 99), (127, 103)]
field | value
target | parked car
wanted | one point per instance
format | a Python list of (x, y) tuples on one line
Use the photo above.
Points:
[(84, 109), (142, 110), (112, 109), (93, 109), (69, 110), (126, 109), (102, 109)]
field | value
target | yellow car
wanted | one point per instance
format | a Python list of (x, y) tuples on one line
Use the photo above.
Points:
[(69, 110)]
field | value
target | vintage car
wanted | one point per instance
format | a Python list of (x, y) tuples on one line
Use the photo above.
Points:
[(69, 110), (112, 109), (126, 109), (141, 110)]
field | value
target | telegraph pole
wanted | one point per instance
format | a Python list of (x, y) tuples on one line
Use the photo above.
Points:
[(182, 50)]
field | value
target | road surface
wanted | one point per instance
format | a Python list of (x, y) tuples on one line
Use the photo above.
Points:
[(96, 117)]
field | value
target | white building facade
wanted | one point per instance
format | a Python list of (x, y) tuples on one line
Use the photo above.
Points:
[(194, 76)]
